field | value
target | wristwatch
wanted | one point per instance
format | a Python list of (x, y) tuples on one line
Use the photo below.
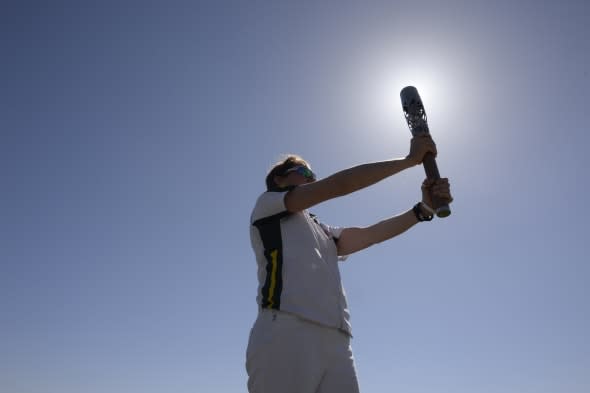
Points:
[(423, 212)]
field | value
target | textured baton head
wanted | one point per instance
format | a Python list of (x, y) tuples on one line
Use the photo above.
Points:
[(414, 111)]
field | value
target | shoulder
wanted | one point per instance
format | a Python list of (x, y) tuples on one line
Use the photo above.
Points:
[(269, 203)]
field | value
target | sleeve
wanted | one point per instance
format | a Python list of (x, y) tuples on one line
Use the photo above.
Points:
[(269, 204), (334, 233)]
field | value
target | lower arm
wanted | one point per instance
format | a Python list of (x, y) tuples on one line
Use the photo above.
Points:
[(393, 226), (361, 176)]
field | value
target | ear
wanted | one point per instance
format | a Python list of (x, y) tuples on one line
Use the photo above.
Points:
[(278, 181)]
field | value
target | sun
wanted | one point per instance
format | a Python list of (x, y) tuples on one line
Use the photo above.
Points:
[(387, 87)]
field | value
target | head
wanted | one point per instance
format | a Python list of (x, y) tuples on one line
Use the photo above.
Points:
[(291, 171)]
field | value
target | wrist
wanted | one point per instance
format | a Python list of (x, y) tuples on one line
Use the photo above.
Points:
[(409, 162), (423, 212)]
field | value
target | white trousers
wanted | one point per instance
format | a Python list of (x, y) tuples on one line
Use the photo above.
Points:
[(287, 354)]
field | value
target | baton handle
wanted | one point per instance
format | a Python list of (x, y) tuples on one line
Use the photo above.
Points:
[(429, 162)]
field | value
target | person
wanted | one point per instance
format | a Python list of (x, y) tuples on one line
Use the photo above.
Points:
[(300, 341)]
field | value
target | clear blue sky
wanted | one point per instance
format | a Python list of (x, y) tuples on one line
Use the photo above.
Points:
[(135, 137)]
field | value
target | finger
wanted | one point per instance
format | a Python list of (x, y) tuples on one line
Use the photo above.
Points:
[(445, 198), (441, 190), (441, 193), (441, 183), (442, 186), (427, 183)]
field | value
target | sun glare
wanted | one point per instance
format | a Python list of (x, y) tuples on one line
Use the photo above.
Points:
[(437, 76), (387, 87)]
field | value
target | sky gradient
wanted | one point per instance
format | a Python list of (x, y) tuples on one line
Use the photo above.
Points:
[(135, 137)]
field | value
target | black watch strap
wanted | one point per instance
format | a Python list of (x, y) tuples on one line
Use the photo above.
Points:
[(418, 212)]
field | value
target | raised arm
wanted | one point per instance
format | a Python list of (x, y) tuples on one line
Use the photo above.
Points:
[(356, 178), (355, 239)]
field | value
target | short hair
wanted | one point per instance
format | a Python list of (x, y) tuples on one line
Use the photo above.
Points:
[(279, 169)]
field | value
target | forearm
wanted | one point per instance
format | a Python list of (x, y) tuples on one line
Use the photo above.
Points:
[(392, 227), (343, 183), (365, 175), (356, 239)]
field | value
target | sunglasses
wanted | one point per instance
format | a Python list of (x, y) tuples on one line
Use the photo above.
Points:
[(302, 170)]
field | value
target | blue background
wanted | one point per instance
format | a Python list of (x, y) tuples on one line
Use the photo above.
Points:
[(135, 137)]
